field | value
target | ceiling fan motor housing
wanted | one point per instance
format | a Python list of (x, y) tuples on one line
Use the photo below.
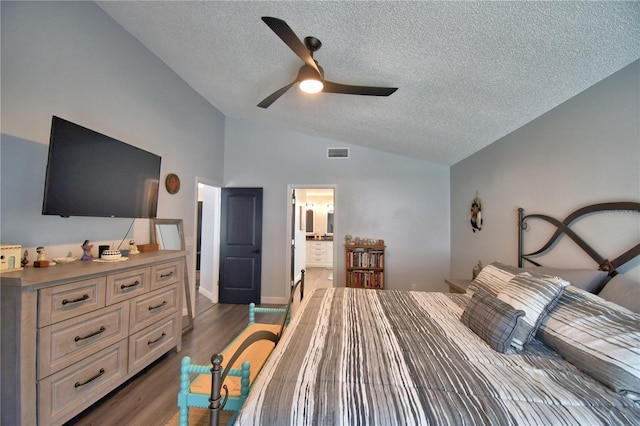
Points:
[(306, 72), (312, 44)]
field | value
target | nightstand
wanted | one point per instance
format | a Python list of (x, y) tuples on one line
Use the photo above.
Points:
[(457, 285)]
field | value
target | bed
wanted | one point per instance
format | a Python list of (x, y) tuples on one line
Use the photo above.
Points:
[(521, 347)]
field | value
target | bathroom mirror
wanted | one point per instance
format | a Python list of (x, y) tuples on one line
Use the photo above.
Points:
[(309, 221), (330, 223), (169, 235)]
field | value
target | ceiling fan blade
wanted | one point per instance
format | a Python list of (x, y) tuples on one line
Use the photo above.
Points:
[(284, 31), (331, 87), (274, 96)]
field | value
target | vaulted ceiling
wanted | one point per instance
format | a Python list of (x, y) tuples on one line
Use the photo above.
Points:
[(468, 73)]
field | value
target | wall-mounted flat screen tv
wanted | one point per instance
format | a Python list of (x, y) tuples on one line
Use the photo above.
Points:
[(90, 174)]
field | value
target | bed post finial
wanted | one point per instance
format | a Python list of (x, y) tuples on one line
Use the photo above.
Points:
[(214, 401), (521, 227)]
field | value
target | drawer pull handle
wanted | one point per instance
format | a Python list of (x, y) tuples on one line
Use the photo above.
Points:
[(163, 276), (164, 302), (91, 379), (135, 284), (80, 299), (95, 333), (151, 342)]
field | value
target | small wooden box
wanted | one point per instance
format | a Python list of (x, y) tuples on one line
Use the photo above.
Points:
[(147, 247)]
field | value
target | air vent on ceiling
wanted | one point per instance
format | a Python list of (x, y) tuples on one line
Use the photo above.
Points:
[(337, 152)]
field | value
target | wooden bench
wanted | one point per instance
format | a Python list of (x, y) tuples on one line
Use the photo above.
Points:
[(247, 353)]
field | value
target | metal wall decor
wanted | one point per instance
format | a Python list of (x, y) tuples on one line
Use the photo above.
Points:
[(475, 216)]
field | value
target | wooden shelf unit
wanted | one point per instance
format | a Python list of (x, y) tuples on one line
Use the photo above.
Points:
[(365, 266)]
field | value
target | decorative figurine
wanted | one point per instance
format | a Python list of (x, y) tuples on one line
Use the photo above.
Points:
[(42, 253), (133, 248), (41, 261), (86, 248), (25, 261)]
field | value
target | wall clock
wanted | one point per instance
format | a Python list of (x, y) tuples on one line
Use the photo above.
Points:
[(172, 183)]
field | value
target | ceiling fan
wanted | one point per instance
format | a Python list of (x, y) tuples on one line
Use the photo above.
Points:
[(311, 75)]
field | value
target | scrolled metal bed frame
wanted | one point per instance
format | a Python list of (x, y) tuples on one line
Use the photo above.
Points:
[(564, 228)]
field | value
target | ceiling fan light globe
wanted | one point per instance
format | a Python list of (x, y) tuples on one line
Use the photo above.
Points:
[(311, 86)]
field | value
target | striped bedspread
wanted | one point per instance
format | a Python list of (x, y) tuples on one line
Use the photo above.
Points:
[(363, 357)]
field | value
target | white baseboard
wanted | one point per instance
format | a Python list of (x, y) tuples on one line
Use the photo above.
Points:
[(274, 300), (207, 294)]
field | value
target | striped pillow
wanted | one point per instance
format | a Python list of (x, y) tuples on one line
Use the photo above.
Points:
[(492, 278), (536, 295), (492, 320), (598, 337), (587, 279)]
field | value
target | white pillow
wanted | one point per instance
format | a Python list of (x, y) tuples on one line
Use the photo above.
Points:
[(598, 337), (492, 278), (536, 295)]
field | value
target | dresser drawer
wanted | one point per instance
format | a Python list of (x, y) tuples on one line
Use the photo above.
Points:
[(66, 342), (147, 309), (166, 274), (126, 285), (67, 392), (148, 344), (316, 257), (69, 300), (317, 248)]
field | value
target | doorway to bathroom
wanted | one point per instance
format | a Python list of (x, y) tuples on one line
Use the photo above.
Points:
[(313, 224)]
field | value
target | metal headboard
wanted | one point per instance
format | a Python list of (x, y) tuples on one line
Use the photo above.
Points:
[(563, 227)]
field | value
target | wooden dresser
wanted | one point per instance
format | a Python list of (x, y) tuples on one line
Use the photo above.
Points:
[(73, 332)]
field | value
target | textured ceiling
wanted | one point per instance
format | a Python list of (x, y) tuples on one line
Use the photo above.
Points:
[(468, 73)]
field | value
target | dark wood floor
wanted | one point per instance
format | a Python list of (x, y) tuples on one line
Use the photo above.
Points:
[(150, 398)]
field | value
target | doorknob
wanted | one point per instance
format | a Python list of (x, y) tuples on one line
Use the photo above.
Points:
[(255, 251)]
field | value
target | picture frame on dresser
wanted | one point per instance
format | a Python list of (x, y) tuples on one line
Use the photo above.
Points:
[(169, 235)]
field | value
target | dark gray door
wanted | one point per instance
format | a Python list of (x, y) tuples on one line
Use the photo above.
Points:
[(240, 245)]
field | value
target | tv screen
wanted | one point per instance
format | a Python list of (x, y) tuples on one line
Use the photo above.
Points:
[(90, 174)]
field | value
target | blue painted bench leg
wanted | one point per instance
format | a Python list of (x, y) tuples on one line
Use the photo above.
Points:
[(184, 391)]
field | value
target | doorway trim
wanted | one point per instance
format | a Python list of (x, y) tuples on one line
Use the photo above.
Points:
[(336, 225), (209, 239)]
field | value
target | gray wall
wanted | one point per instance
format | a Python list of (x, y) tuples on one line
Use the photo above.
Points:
[(378, 195), (585, 151), (72, 60)]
